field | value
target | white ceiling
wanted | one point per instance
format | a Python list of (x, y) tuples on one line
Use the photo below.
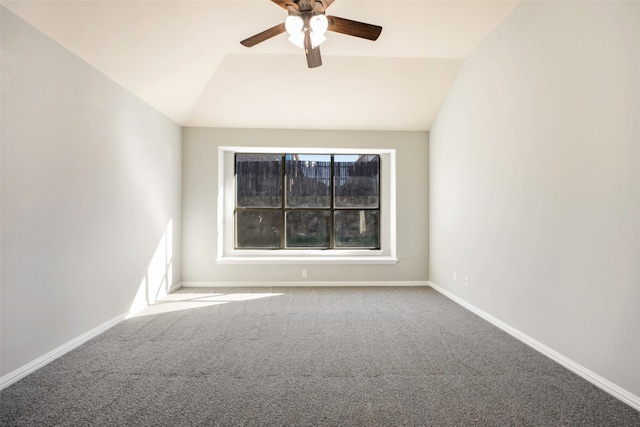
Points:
[(184, 59)]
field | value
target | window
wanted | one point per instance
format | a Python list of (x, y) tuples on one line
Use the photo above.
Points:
[(306, 205), (307, 201)]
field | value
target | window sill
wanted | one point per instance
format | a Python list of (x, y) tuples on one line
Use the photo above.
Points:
[(306, 259)]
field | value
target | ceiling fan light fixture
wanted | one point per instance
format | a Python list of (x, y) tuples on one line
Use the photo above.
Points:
[(318, 25), (298, 40), (316, 39), (294, 25)]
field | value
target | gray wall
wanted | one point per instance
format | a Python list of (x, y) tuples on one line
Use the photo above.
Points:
[(90, 182), (535, 182), (200, 176)]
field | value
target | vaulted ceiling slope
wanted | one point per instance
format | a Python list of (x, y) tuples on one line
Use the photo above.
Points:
[(184, 59)]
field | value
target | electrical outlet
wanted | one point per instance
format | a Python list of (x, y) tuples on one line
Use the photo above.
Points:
[(305, 273), (466, 280), (455, 276)]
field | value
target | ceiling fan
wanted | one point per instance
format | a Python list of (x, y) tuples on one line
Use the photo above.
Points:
[(306, 25)]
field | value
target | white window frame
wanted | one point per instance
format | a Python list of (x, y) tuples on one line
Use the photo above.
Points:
[(228, 254)]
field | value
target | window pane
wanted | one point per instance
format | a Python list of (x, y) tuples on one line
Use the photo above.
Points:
[(258, 229), (258, 180), (357, 229), (356, 180), (308, 180), (308, 229)]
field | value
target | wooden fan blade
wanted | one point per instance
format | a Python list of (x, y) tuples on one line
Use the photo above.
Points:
[(265, 35), (354, 28), (313, 55), (286, 4)]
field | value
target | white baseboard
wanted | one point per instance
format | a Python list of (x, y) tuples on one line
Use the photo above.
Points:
[(41, 361), (595, 379), (175, 287), (264, 284)]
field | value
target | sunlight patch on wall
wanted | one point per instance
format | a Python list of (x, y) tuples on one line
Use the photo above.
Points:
[(156, 282)]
